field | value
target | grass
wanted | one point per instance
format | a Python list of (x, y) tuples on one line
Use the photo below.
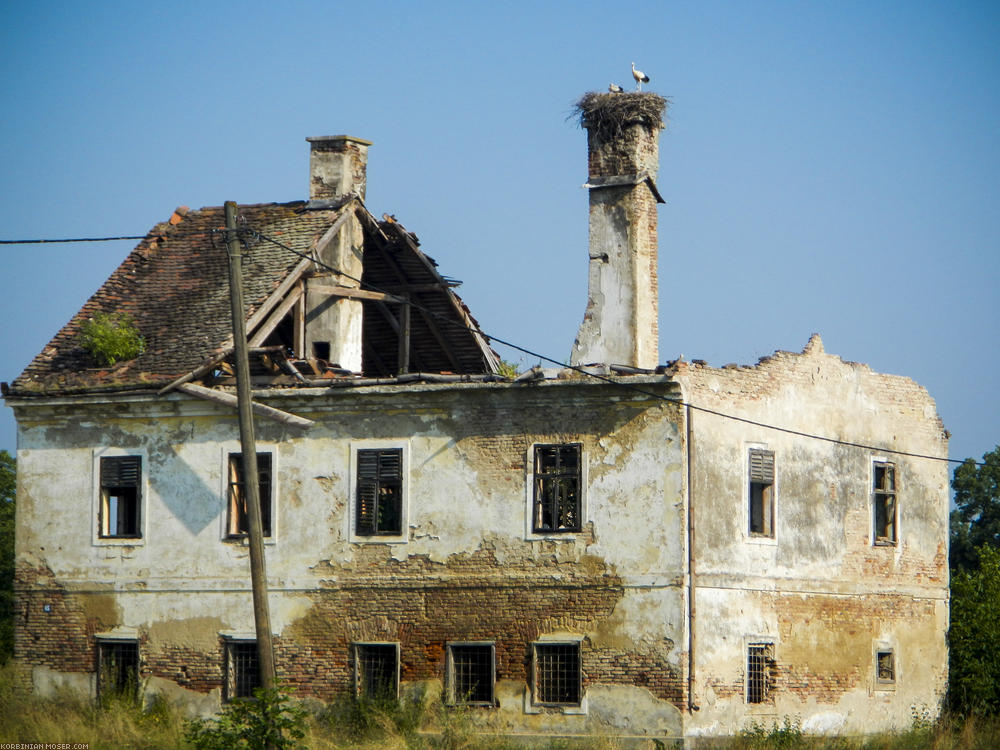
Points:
[(347, 723)]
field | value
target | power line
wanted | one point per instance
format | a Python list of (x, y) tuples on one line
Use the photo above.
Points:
[(606, 379), (148, 236)]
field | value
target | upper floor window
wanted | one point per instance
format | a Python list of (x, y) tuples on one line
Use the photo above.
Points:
[(237, 524), (761, 492), (557, 492), (121, 497), (884, 502), (379, 492)]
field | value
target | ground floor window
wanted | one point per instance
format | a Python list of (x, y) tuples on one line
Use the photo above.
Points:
[(376, 670), (471, 671), (117, 667), (760, 672), (242, 669), (557, 675)]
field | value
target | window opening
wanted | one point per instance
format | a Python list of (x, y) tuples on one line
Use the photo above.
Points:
[(376, 670), (761, 492), (471, 672), (885, 666), (884, 498), (119, 512), (557, 488), (117, 668), (379, 492), (237, 524), (242, 669), (760, 672), (557, 673)]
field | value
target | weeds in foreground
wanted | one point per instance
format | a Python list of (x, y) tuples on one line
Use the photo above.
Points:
[(389, 725)]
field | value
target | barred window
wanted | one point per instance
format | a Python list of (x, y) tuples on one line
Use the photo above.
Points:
[(761, 464), (471, 671), (760, 672), (242, 669), (376, 670), (557, 676), (237, 524), (117, 667), (557, 488), (885, 667), (119, 514), (379, 501), (884, 502)]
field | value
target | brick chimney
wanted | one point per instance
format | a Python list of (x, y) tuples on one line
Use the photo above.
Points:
[(620, 322), (337, 166)]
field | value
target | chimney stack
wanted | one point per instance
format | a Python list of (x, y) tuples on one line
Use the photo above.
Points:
[(337, 169), (620, 322), (337, 166)]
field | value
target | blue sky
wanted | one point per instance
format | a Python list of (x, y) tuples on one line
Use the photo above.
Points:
[(828, 166)]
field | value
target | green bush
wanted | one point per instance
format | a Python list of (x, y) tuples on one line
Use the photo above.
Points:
[(973, 657), (111, 338), (269, 720), (784, 737)]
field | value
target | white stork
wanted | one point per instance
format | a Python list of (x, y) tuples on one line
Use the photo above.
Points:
[(640, 78), (614, 88)]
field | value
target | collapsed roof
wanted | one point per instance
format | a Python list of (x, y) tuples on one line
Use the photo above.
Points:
[(174, 286)]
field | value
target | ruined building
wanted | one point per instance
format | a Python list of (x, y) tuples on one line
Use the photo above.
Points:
[(637, 553)]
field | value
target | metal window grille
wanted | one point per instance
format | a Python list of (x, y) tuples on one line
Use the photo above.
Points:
[(557, 673), (376, 670), (117, 668), (885, 666), (472, 673), (761, 492), (760, 672), (884, 499), (242, 669), (557, 488), (120, 481), (238, 524), (379, 502)]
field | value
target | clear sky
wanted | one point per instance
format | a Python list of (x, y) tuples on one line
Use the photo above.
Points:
[(828, 166)]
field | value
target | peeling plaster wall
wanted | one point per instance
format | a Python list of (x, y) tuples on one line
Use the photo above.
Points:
[(469, 569), (819, 589)]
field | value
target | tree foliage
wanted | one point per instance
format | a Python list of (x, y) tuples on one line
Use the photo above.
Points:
[(111, 338), (973, 656), (269, 720), (8, 474), (976, 520)]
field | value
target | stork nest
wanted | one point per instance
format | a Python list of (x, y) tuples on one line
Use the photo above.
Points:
[(608, 115)]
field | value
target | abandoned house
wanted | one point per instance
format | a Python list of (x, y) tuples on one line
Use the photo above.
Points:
[(622, 546)]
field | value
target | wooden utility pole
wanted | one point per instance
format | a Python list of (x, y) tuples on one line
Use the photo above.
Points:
[(248, 448)]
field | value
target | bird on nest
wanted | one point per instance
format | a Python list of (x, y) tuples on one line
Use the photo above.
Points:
[(640, 78), (614, 88)]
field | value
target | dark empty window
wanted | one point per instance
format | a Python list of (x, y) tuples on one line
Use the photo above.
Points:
[(557, 488), (376, 670), (237, 524), (885, 667), (761, 492), (471, 673), (557, 673), (760, 672), (117, 668), (379, 502), (884, 500), (242, 669), (121, 478)]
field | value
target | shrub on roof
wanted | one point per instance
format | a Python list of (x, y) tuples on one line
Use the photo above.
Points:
[(111, 338)]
